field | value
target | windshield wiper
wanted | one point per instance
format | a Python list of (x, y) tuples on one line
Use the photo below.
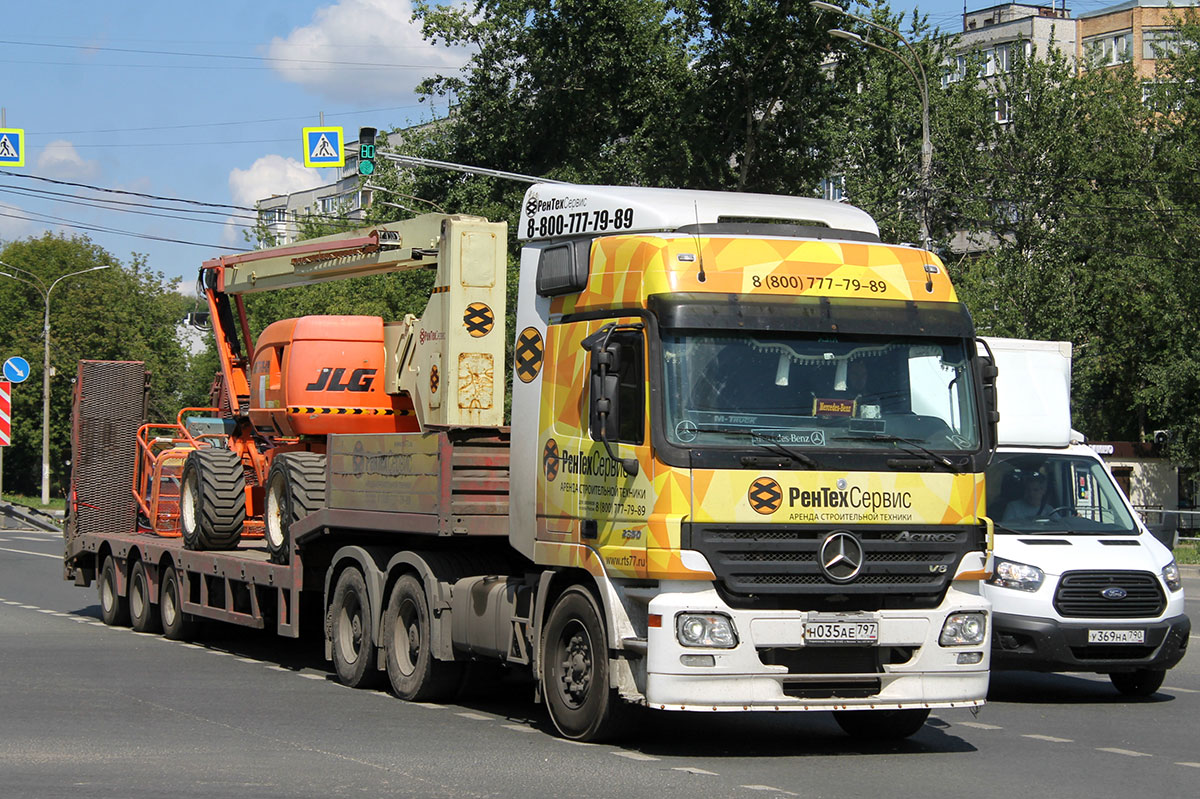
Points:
[(889, 437), (771, 444)]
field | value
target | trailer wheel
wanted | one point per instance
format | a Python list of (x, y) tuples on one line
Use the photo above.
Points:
[(177, 625), (295, 488), (880, 725), (143, 614), (574, 658), (114, 609), (415, 674), (351, 631), (212, 501), (1143, 682)]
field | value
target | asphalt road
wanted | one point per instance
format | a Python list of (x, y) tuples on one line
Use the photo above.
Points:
[(92, 711)]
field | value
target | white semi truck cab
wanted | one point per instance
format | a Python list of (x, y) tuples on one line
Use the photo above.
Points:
[(1078, 583)]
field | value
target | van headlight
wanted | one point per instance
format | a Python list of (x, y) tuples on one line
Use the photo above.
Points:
[(710, 630), (964, 629), (1020, 576), (1170, 575)]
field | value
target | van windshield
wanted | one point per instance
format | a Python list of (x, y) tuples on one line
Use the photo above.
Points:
[(1043, 493)]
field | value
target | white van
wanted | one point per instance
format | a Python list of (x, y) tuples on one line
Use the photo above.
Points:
[(1078, 583)]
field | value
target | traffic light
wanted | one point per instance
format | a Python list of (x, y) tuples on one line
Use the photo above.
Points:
[(366, 151)]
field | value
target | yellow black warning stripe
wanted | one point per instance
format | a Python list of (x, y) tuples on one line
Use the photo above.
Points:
[(440, 289), (305, 409)]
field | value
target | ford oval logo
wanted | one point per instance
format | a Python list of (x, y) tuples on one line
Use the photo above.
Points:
[(1114, 592)]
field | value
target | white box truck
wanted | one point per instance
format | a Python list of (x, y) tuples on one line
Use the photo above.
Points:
[(1079, 584)]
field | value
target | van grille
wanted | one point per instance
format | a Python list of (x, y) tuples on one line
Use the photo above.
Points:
[(1079, 595)]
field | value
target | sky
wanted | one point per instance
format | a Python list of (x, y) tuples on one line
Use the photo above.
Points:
[(205, 103)]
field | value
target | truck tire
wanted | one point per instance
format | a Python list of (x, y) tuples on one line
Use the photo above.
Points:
[(212, 501), (574, 659), (143, 614), (351, 631), (881, 725), (114, 608), (295, 488), (415, 674), (1143, 682), (176, 625)]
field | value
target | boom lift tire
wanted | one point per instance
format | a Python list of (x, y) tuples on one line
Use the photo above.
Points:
[(415, 674), (351, 631), (212, 502), (143, 614), (295, 488), (575, 679), (1143, 682), (114, 608), (880, 725), (177, 625)]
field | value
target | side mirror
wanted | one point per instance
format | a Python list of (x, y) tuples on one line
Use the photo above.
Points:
[(604, 415)]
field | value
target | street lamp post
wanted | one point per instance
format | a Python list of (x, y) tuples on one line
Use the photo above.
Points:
[(45, 291), (922, 83)]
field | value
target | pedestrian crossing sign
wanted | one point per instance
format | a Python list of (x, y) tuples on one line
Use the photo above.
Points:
[(12, 147), (323, 147)]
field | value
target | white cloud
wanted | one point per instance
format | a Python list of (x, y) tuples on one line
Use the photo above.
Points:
[(268, 176), (60, 159), (362, 32)]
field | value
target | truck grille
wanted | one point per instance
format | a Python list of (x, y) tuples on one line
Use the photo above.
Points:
[(779, 565), (1079, 595)]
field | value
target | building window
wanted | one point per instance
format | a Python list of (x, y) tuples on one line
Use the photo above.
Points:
[(1003, 110), (1159, 43), (1109, 49), (328, 205), (834, 188)]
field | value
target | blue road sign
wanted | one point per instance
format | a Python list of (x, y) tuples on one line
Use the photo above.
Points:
[(323, 147), (16, 369), (12, 147)]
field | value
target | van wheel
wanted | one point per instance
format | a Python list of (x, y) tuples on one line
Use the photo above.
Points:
[(574, 659), (114, 609), (880, 725), (351, 631), (295, 488), (177, 625), (143, 614), (415, 674), (212, 500), (1143, 682)]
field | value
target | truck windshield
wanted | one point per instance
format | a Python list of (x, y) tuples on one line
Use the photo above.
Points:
[(1047, 493), (818, 391)]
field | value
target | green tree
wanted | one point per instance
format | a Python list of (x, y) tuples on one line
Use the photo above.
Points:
[(126, 312)]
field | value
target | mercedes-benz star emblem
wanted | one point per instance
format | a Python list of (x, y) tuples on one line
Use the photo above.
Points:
[(841, 556)]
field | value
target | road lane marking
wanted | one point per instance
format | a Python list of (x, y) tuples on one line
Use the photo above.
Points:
[(1189, 765), (518, 728), (1127, 752), (636, 756), (694, 770), (769, 788), (474, 716), (311, 676), (1182, 690), (979, 725), (27, 552), (1049, 738)]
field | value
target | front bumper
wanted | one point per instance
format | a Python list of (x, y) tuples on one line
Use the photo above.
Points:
[(771, 668), (1038, 644)]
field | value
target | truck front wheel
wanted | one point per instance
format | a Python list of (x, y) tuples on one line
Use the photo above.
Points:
[(351, 630), (574, 657), (880, 725), (415, 674)]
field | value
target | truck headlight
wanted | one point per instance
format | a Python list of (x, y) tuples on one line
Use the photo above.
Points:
[(711, 630), (1021, 576), (964, 629), (1170, 575)]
